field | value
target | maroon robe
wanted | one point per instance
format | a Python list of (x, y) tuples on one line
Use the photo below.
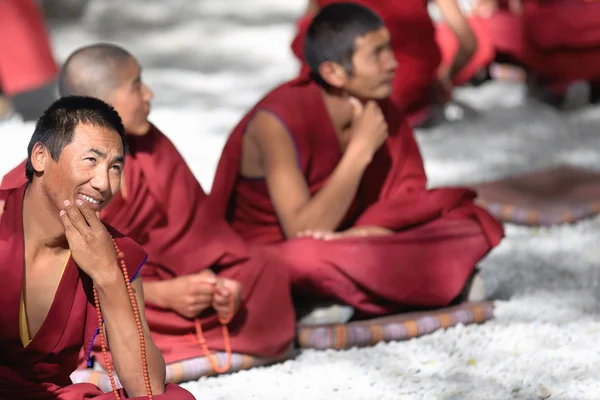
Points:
[(26, 60), (164, 209), (558, 40), (562, 39), (42, 369), (439, 234), (419, 47)]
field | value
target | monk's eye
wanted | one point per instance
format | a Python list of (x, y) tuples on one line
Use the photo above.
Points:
[(91, 159), (116, 168)]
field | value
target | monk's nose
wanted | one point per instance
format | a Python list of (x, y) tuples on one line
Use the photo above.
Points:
[(148, 93), (392, 63), (100, 181)]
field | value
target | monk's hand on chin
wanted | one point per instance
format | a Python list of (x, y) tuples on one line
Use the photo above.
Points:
[(189, 295), (369, 128), (225, 290), (90, 243)]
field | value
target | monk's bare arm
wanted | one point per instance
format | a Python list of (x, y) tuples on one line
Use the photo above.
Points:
[(459, 25), (123, 337), (288, 188)]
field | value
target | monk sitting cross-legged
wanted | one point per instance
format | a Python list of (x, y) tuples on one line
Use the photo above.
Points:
[(329, 157), (199, 271), (68, 279)]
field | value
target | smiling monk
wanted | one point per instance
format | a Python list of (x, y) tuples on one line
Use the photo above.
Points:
[(68, 278)]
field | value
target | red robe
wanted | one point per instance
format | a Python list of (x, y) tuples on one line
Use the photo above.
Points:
[(164, 210), (42, 369), (559, 41), (440, 234), (26, 60), (419, 47), (562, 39), (506, 31)]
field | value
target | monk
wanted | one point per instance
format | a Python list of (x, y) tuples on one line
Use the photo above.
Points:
[(28, 70), (432, 58), (196, 263), (543, 37), (326, 171), (65, 273)]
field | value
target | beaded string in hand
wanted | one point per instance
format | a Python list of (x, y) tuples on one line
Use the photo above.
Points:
[(199, 338), (212, 359), (136, 314)]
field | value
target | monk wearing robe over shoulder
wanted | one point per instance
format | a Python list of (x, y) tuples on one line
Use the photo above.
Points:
[(557, 42), (68, 279), (433, 58), (326, 170), (199, 271)]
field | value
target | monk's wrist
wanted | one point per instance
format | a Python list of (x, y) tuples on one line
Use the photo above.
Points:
[(155, 293), (359, 156), (107, 278)]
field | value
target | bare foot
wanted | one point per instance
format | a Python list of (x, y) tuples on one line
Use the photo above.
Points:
[(221, 298)]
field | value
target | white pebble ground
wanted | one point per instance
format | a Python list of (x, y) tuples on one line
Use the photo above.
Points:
[(209, 60)]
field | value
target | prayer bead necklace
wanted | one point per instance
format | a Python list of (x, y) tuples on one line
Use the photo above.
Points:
[(138, 321), (212, 359)]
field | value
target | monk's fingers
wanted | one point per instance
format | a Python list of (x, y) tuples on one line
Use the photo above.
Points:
[(309, 233), (203, 290), (222, 290), (221, 301), (195, 309), (320, 235), (70, 230), (334, 236), (200, 299), (76, 218), (357, 107), (89, 215), (231, 285)]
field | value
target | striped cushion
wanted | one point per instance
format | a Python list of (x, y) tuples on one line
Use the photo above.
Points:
[(553, 196), (183, 371), (392, 328), (540, 216)]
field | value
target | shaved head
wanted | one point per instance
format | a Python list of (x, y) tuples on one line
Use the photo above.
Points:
[(94, 70), (110, 73)]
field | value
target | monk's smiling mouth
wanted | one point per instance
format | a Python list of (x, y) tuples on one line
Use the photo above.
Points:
[(93, 202)]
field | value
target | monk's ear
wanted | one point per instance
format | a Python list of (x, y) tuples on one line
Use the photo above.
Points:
[(333, 73), (39, 157)]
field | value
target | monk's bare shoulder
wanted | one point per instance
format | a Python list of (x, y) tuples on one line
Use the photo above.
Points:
[(1, 209), (268, 145)]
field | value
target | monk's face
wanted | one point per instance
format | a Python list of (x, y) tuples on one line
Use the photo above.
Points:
[(374, 66), (89, 168), (132, 98)]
